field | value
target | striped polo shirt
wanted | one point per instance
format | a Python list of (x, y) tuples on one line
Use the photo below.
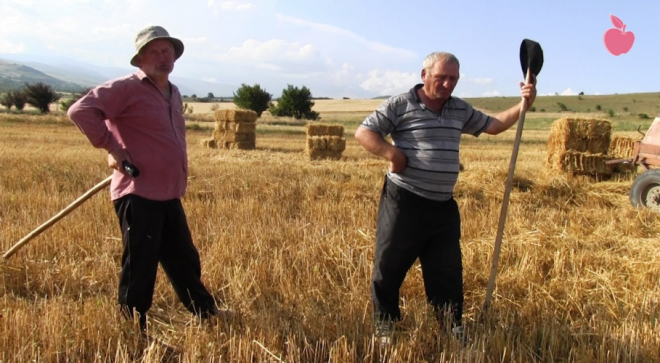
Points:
[(429, 140)]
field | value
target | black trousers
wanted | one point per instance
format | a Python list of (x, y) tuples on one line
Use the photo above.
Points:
[(153, 232), (411, 227)]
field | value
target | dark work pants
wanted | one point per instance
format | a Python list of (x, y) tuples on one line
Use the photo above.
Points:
[(411, 227), (153, 232)]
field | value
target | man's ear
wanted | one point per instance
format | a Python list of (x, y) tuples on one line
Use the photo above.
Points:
[(423, 74)]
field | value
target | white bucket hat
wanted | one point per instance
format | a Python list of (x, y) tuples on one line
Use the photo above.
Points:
[(152, 33)]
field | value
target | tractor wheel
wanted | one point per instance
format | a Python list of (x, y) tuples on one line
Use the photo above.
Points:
[(645, 190)]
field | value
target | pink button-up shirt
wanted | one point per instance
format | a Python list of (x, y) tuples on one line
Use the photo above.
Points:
[(131, 112)]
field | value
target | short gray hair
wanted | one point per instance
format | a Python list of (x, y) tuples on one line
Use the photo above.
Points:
[(436, 57)]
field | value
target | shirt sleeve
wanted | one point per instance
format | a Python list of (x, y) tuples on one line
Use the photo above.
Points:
[(476, 121), (91, 112), (382, 120)]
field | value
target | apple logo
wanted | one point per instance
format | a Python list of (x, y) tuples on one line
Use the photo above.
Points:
[(617, 40)]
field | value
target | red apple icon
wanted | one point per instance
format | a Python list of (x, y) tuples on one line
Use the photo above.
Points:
[(617, 40)]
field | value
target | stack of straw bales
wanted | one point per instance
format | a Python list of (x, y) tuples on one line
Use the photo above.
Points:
[(325, 141), (234, 129), (580, 146), (623, 148)]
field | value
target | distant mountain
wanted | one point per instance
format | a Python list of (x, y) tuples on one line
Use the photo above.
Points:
[(15, 76), (70, 71)]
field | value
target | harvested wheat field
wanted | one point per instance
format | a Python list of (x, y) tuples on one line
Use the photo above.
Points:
[(288, 243)]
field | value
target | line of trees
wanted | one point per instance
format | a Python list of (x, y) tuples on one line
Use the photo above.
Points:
[(38, 95), (294, 102)]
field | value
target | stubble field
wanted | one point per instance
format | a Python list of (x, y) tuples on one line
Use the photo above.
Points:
[(288, 244)]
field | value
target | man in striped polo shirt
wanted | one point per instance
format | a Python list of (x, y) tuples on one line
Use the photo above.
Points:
[(417, 215)]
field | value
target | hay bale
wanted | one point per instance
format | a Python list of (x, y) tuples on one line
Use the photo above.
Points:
[(316, 129), (209, 143), (336, 144), (333, 143), (325, 141), (325, 147), (237, 127), (621, 147), (323, 154), (589, 136), (248, 116), (243, 145), (231, 136), (584, 163), (316, 143), (583, 135)]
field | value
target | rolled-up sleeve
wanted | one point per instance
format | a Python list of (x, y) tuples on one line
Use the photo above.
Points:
[(382, 120), (476, 121)]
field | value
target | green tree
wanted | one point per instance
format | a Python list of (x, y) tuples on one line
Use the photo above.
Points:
[(562, 106), (14, 99), (210, 95), (6, 100), (19, 99), (40, 96), (252, 98), (66, 104), (295, 102)]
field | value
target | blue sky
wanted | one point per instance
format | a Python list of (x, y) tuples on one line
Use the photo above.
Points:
[(353, 48)]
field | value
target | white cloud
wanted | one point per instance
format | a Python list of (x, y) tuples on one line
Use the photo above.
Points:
[(11, 48), (343, 74), (122, 30), (274, 51), (568, 92), (200, 40), (333, 30), (480, 81), (230, 5), (211, 80), (21, 2), (388, 82), (69, 2), (13, 22)]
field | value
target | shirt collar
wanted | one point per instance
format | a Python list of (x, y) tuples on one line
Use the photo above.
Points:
[(414, 90), (141, 75)]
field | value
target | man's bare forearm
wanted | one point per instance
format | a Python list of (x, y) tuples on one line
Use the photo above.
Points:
[(374, 143)]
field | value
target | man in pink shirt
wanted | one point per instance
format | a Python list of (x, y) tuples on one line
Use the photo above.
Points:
[(139, 119)]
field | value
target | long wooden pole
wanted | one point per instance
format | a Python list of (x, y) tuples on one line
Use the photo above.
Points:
[(505, 200), (58, 216)]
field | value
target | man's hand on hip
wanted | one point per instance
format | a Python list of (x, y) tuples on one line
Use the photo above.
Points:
[(398, 161), (116, 158)]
